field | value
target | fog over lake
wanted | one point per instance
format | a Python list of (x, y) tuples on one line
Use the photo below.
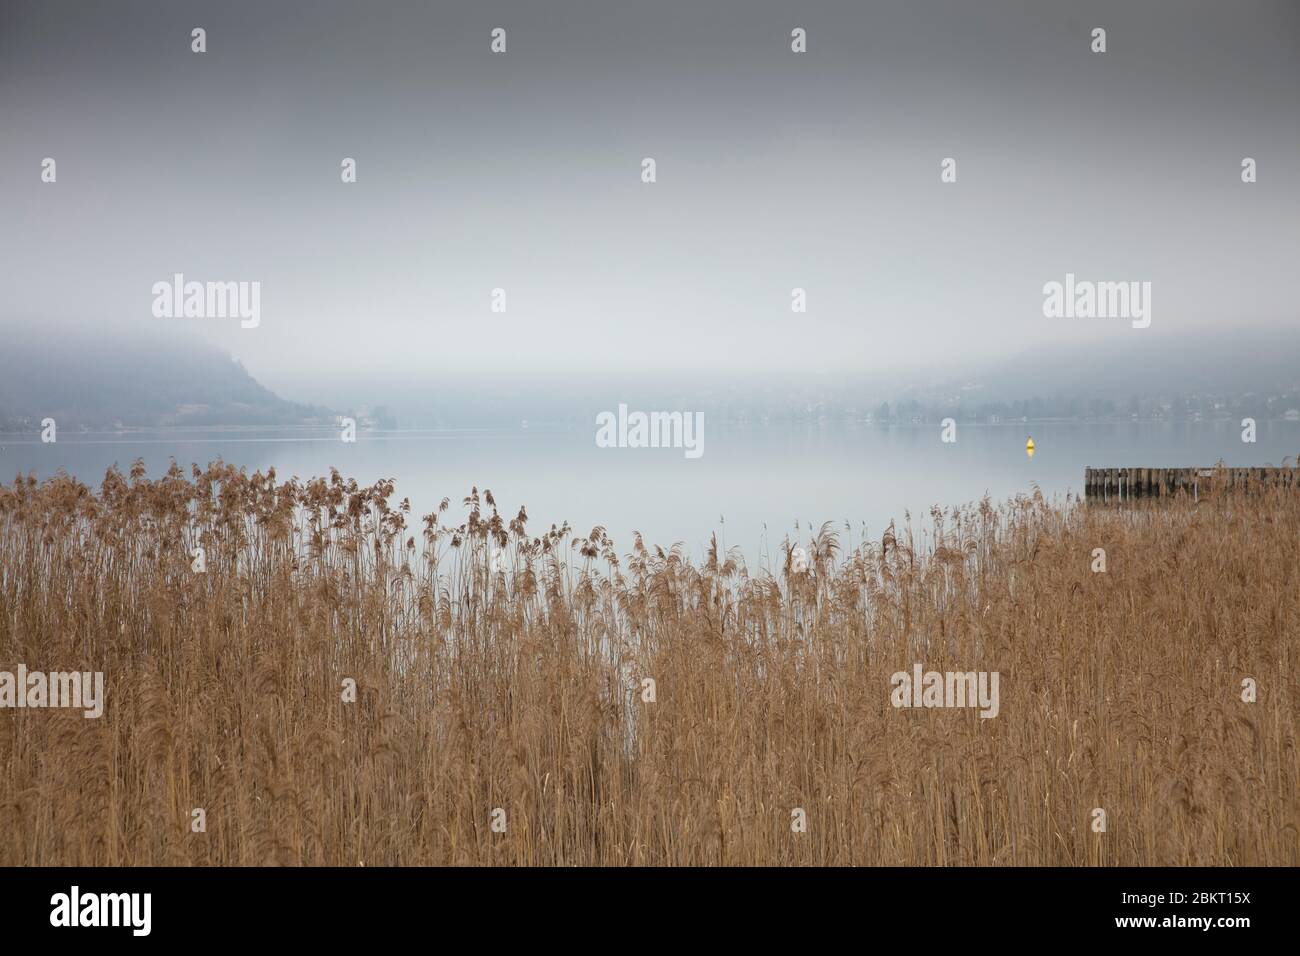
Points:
[(671, 207)]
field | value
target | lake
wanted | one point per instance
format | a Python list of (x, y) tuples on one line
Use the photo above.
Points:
[(752, 484)]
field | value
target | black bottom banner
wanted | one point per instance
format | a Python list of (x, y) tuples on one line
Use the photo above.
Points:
[(340, 906)]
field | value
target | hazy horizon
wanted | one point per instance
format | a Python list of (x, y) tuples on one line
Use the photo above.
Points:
[(775, 170)]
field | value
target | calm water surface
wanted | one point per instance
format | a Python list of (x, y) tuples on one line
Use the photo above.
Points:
[(751, 486)]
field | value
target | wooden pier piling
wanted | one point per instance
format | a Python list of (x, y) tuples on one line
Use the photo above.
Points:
[(1124, 484)]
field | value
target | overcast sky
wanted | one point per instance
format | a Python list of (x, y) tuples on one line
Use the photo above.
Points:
[(523, 171)]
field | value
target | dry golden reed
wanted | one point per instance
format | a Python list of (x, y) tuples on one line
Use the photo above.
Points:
[(521, 689)]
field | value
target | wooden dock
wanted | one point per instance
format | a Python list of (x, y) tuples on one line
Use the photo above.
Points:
[(1122, 484)]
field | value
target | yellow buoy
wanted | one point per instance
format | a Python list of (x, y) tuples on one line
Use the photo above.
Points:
[(1029, 448)]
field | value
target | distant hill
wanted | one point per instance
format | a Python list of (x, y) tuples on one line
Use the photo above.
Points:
[(1185, 376), (101, 381), (174, 378), (1232, 362)]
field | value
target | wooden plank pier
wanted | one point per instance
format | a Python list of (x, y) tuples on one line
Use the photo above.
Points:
[(1124, 484)]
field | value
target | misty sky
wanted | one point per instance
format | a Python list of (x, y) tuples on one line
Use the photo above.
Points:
[(522, 171)]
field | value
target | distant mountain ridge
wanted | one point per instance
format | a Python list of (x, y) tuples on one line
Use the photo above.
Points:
[(176, 379), (1232, 362), (104, 381)]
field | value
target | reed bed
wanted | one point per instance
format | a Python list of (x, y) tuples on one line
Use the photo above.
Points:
[(501, 668)]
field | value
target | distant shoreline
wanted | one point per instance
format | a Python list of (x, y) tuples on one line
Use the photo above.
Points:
[(331, 431)]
